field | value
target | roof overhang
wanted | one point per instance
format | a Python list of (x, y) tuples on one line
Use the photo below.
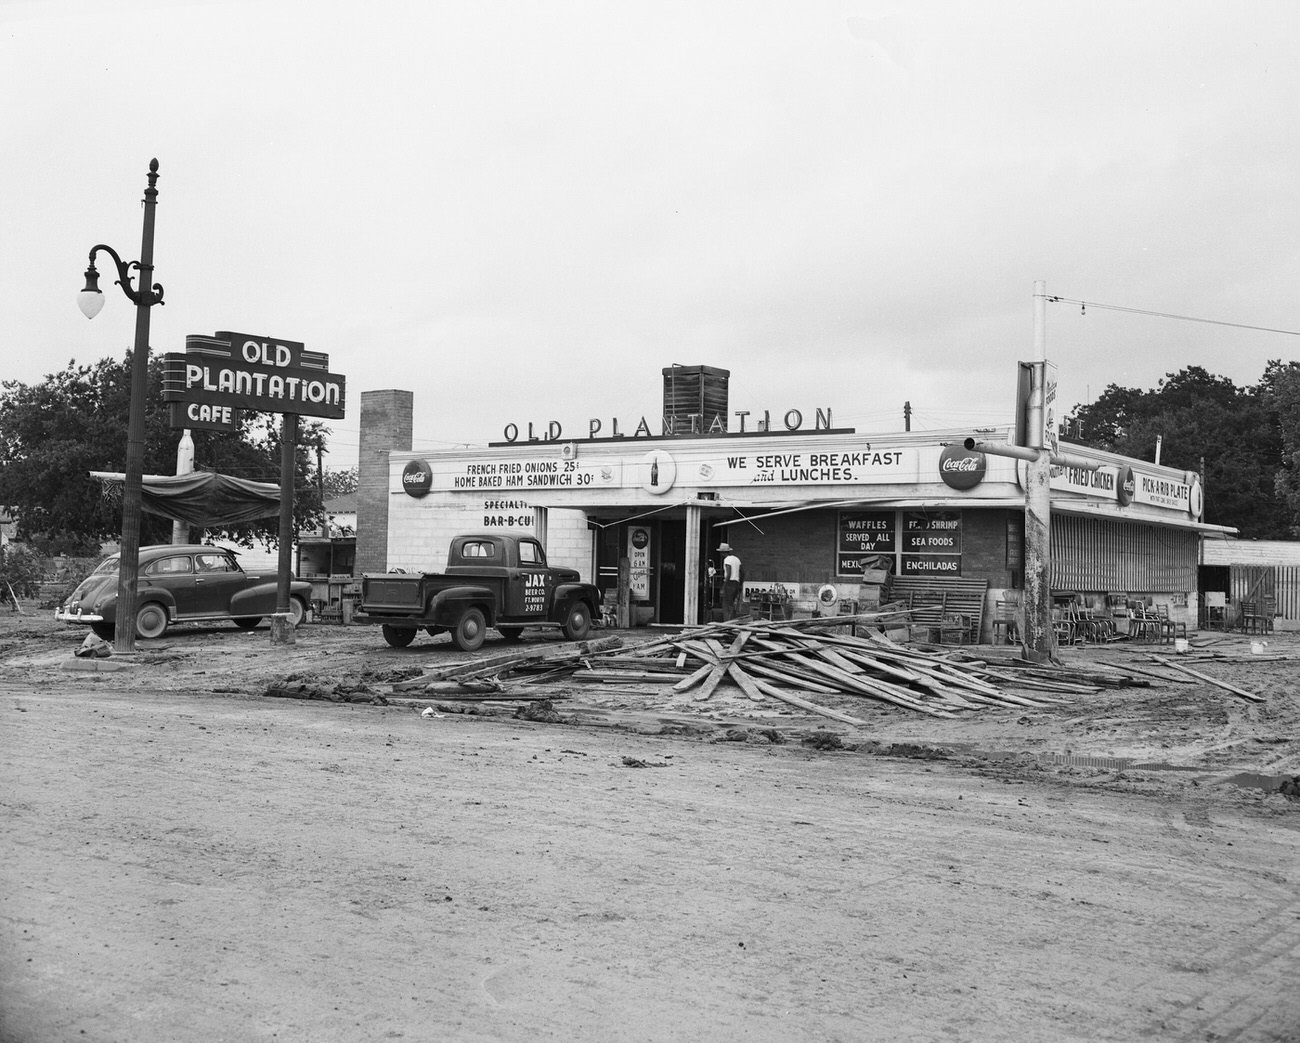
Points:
[(1093, 510), (1004, 503)]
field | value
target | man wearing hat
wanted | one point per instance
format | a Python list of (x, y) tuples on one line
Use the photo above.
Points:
[(731, 580)]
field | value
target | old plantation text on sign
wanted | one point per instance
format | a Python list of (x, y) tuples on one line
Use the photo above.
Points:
[(244, 372)]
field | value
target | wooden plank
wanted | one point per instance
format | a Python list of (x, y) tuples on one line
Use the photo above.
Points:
[(800, 681), (1144, 671), (874, 662), (621, 661), (589, 674), (835, 715), (746, 683), (719, 670), (866, 686), (1252, 696), (687, 683), (472, 667)]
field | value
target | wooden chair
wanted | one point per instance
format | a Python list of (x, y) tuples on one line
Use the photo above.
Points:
[(1006, 631), (1257, 616), (1169, 628), (1250, 617)]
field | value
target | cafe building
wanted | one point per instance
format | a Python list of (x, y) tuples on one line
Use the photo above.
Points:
[(804, 503)]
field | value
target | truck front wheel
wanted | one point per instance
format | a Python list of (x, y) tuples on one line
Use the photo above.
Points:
[(398, 637), (577, 624), (470, 630)]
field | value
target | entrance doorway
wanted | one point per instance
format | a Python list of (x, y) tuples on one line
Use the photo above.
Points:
[(672, 572), (658, 578)]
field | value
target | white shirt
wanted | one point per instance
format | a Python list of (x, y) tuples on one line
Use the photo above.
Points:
[(731, 568)]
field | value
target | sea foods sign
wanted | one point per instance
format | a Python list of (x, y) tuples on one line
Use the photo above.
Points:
[(248, 372)]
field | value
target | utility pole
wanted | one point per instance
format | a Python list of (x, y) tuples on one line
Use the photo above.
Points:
[(907, 416), (320, 477), (282, 631), (1037, 442), (1037, 633)]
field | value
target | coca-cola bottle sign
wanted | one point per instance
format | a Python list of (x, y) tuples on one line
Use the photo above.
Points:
[(961, 468)]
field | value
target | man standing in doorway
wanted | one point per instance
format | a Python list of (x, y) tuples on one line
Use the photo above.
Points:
[(731, 580)]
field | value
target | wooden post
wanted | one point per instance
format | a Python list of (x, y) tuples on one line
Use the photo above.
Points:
[(692, 580), (623, 611), (1038, 636), (282, 632)]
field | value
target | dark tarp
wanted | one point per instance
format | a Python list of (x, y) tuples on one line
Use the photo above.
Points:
[(204, 498)]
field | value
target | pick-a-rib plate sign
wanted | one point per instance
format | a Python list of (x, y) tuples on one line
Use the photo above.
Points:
[(253, 372)]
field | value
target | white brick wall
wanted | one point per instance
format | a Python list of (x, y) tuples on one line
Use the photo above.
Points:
[(568, 542), (420, 530)]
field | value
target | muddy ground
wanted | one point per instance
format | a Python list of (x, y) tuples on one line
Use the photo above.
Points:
[(187, 857)]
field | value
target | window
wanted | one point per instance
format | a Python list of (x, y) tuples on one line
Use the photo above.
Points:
[(477, 549), (169, 566), (530, 553), (213, 563)]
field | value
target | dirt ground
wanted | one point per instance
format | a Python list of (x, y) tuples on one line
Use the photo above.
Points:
[(189, 858)]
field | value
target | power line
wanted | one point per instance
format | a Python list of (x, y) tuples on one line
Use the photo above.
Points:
[(1085, 305)]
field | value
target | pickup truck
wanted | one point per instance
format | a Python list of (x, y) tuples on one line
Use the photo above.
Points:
[(492, 580)]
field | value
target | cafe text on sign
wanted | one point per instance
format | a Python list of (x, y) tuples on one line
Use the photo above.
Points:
[(199, 417)]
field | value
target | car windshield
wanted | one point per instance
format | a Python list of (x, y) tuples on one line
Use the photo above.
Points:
[(107, 565)]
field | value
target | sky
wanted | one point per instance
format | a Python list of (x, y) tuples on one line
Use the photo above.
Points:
[(522, 212)]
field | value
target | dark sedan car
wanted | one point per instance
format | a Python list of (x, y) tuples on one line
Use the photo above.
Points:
[(181, 584)]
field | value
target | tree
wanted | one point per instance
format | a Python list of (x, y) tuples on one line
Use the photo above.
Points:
[(1202, 423), (1282, 383), (21, 573), (339, 483), (54, 433)]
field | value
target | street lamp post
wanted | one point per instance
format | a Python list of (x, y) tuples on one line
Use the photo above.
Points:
[(144, 296)]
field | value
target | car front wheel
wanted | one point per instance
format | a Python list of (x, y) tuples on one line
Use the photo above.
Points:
[(577, 625), (297, 612), (151, 620)]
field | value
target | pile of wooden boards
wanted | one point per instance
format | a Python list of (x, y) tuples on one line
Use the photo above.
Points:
[(797, 662)]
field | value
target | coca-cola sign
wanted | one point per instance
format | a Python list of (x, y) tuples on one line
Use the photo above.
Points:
[(417, 478), (961, 468), (1125, 486)]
